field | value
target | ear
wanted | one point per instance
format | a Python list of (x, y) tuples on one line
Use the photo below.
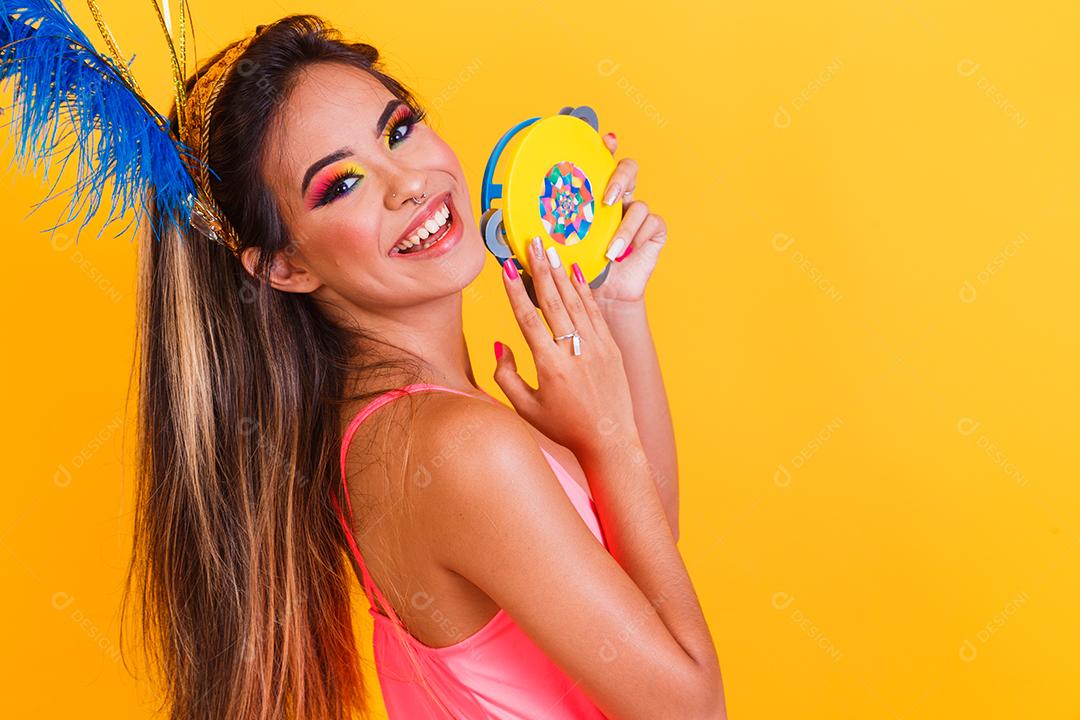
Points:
[(287, 272)]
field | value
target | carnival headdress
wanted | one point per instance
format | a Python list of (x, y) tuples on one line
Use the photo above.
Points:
[(71, 99)]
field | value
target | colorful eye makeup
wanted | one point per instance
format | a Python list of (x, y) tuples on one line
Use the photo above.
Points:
[(340, 178), (333, 182), (403, 116)]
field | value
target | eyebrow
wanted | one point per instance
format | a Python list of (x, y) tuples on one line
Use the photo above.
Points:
[(346, 151)]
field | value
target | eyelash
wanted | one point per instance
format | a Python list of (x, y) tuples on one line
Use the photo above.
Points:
[(405, 116)]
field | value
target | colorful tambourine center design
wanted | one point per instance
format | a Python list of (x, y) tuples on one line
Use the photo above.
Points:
[(566, 203)]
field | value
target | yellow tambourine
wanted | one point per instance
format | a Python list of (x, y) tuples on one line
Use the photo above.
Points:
[(554, 171)]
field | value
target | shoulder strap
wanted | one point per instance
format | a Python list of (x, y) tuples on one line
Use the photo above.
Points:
[(372, 592), (346, 522)]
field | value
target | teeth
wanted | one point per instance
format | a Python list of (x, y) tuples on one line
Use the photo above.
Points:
[(430, 227)]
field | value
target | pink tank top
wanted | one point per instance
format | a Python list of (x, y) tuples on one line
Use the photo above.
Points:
[(498, 671)]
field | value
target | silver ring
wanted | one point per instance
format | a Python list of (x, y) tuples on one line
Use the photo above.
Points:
[(576, 340), (420, 201)]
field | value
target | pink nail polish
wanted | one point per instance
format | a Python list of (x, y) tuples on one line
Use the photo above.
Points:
[(498, 350), (629, 249), (578, 275), (510, 268)]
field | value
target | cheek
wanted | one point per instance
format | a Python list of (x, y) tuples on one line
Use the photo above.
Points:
[(350, 236), (342, 250), (442, 155)]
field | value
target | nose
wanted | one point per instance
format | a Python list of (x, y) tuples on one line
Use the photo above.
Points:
[(404, 184)]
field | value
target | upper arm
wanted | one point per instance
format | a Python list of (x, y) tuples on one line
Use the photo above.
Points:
[(495, 513)]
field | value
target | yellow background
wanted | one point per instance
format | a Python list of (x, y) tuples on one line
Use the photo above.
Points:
[(866, 315)]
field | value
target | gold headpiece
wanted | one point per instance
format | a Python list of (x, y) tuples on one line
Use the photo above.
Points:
[(196, 110), (193, 115)]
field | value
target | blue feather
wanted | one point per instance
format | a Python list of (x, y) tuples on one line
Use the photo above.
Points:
[(71, 100)]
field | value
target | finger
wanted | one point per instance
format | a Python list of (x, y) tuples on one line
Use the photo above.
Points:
[(588, 300), (611, 142), (624, 178), (518, 392), (627, 229), (547, 295), (650, 237), (571, 301), (532, 326)]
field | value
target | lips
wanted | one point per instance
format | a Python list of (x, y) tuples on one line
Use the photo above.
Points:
[(425, 213), (450, 238)]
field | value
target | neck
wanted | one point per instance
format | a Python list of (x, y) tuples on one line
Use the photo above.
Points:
[(431, 333)]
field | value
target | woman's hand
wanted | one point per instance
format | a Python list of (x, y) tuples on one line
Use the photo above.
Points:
[(583, 401), (637, 242)]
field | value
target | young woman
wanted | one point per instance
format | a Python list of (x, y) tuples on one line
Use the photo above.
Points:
[(308, 410)]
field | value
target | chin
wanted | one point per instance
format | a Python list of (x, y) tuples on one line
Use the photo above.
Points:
[(472, 258)]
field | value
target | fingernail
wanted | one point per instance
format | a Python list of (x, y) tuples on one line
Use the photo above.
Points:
[(629, 249), (538, 247), (612, 193), (615, 249), (553, 257), (498, 350), (612, 135), (578, 275), (510, 268)]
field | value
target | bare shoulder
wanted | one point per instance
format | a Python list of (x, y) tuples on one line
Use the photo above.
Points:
[(495, 514), (395, 450), (473, 460), (456, 436)]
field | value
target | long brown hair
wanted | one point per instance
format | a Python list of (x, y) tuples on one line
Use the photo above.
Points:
[(239, 562)]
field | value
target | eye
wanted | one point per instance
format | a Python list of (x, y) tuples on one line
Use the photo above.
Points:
[(339, 186), (396, 135), (403, 127)]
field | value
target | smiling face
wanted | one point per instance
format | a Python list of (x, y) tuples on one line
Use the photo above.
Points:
[(346, 159)]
